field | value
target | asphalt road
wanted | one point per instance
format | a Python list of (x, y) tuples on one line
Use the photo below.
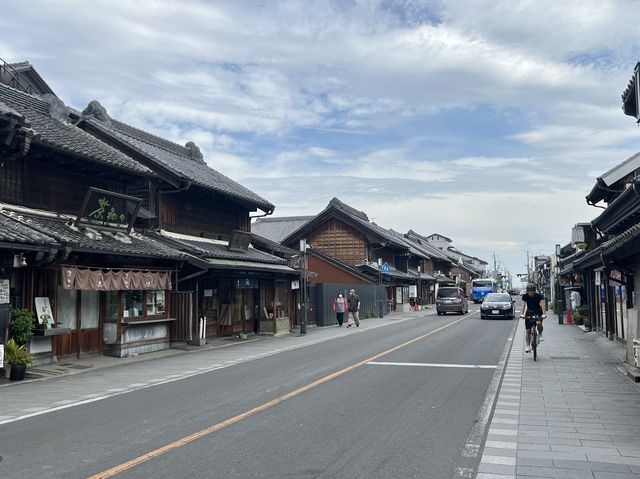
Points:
[(371, 421)]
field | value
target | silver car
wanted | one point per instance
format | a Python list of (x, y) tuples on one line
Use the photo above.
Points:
[(451, 299)]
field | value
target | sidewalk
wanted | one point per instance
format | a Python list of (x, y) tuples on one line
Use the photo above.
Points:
[(572, 414), (79, 381)]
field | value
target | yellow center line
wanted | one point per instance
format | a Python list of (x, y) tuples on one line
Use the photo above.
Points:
[(232, 420)]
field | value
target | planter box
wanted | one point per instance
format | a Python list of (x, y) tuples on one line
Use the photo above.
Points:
[(283, 325), (267, 327)]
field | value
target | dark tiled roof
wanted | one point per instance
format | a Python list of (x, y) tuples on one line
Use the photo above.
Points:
[(206, 249), (422, 241), (62, 230), (65, 136), (12, 231), (6, 110), (277, 229), (630, 234), (179, 160), (362, 219), (414, 248)]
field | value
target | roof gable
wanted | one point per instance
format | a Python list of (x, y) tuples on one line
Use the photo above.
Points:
[(620, 171), (64, 136), (352, 217), (183, 162), (31, 77), (424, 242)]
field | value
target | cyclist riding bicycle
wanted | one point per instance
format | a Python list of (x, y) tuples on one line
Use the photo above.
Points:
[(532, 303)]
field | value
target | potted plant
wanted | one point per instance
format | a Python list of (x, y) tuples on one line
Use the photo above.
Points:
[(583, 312), (17, 357), (21, 326)]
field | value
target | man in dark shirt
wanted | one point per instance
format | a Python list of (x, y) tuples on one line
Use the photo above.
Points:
[(532, 303), (354, 309)]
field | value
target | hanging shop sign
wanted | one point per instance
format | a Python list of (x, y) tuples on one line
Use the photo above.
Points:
[(617, 276), (108, 208), (295, 284), (114, 280), (5, 291), (246, 283)]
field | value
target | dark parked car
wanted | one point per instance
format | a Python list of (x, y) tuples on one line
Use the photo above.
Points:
[(497, 305), (451, 299)]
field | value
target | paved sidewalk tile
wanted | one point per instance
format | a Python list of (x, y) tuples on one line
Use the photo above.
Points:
[(571, 414)]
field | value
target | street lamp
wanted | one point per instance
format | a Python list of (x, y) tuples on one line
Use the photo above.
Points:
[(419, 292), (380, 311), (303, 286), (559, 286)]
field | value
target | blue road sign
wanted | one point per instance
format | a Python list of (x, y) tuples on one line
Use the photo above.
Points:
[(385, 268)]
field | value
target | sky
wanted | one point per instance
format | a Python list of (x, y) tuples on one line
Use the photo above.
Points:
[(487, 122)]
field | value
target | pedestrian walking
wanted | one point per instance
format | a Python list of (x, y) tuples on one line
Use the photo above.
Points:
[(340, 306), (354, 309)]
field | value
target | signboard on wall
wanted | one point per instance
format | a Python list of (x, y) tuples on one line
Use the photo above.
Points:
[(246, 283), (295, 284), (4, 291), (44, 314), (413, 291)]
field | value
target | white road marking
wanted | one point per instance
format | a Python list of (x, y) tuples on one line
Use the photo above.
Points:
[(433, 365), (69, 403)]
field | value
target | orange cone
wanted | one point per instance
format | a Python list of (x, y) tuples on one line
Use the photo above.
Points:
[(569, 319)]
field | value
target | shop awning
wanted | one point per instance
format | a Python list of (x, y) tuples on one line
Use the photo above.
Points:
[(93, 279)]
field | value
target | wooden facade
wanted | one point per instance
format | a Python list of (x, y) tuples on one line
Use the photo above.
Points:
[(340, 241), (200, 213)]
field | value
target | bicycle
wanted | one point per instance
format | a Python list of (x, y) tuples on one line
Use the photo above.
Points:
[(535, 338)]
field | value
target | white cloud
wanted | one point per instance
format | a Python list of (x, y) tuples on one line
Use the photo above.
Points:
[(480, 162), (421, 111)]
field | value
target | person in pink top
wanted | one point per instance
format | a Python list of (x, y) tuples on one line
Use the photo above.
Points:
[(340, 306)]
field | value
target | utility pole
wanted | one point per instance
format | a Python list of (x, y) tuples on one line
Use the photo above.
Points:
[(528, 268), (495, 267)]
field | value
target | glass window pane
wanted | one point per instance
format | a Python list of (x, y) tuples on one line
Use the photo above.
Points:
[(66, 308), (89, 309), (113, 306), (155, 303), (133, 306)]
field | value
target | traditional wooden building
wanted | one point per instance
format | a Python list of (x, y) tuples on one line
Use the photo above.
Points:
[(123, 239), (607, 268), (69, 193), (345, 234), (234, 286)]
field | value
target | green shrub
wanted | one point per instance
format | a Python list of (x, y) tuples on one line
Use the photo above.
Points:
[(583, 311), (15, 354), (20, 328)]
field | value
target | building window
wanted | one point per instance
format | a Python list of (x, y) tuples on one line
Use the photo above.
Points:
[(155, 303), (136, 305), (66, 308), (112, 306), (89, 309), (133, 304)]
